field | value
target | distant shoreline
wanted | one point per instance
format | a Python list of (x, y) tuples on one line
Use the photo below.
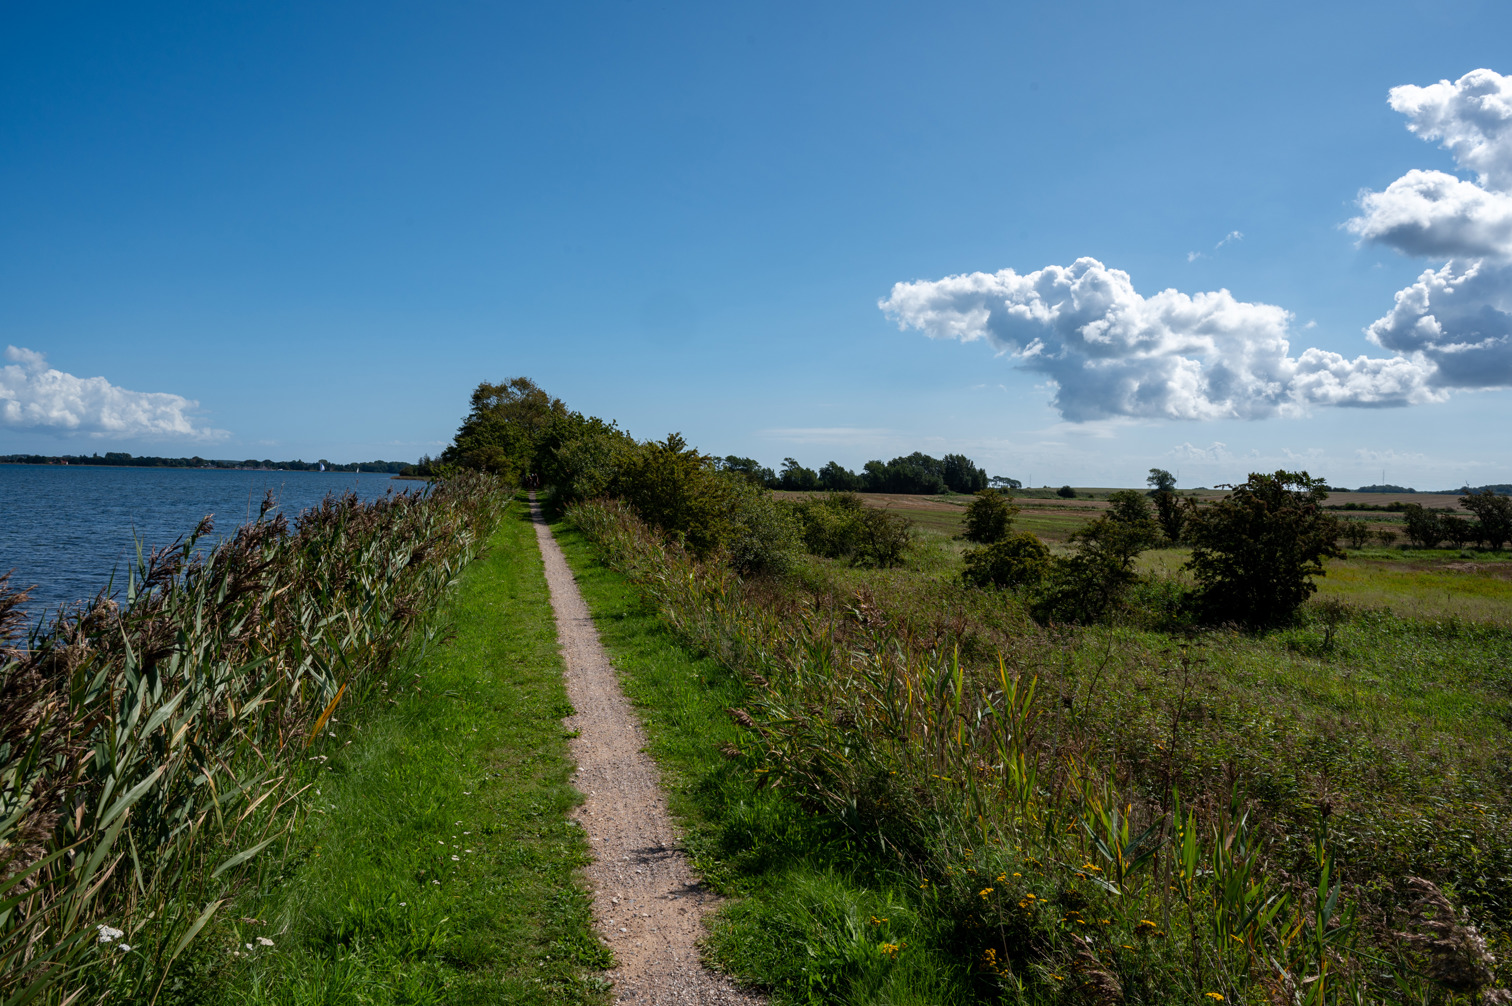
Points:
[(211, 468)]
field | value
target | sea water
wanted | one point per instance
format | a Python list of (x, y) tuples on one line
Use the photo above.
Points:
[(64, 529)]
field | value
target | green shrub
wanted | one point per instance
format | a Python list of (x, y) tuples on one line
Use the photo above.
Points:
[(763, 533), (677, 489), (1018, 560), (1494, 513), (1458, 530), (1255, 551), (1066, 493), (1084, 587), (840, 526), (1356, 532), (1424, 527), (587, 467), (989, 517), (830, 525)]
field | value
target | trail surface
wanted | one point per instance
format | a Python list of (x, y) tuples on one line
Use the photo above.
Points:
[(647, 904)]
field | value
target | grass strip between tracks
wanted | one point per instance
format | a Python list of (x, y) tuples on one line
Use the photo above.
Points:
[(815, 919), (440, 866)]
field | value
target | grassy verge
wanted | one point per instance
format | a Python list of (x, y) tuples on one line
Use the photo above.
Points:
[(439, 864), (815, 918), (1357, 750)]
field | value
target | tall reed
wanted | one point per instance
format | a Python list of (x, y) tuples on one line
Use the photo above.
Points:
[(1048, 875), (150, 742)]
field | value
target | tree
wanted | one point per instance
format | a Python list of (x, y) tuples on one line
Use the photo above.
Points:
[(1171, 514), (1356, 532), (988, 517), (750, 469), (1424, 527), (506, 428), (1132, 510), (796, 478), (1161, 481), (1004, 482), (1457, 529), (961, 475), (1255, 552), (1494, 512), (1018, 560), (1066, 493), (836, 479)]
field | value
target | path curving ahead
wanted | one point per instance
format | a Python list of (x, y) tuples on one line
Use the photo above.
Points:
[(647, 904)]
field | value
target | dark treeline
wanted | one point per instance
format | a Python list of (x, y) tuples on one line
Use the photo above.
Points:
[(917, 473), (120, 459), (1502, 488)]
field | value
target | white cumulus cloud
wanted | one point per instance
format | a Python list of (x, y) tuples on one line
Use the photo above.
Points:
[(1460, 317), (1472, 119), (34, 396), (1113, 352), (1432, 213)]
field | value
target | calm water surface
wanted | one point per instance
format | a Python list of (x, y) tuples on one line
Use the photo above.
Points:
[(65, 528)]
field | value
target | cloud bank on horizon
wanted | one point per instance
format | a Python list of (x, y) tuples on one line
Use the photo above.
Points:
[(1113, 352), (34, 396)]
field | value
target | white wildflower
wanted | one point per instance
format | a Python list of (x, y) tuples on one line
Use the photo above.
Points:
[(109, 934)]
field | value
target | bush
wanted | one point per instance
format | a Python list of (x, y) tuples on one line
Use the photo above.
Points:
[(588, 466), (1494, 513), (1018, 560), (1066, 493), (885, 537), (1255, 552), (1084, 586), (1356, 532), (1131, 510), (763, 534), (989, 516), (1424, 527), (830, 525), (1458, 530), (678, 490), (840, 526)]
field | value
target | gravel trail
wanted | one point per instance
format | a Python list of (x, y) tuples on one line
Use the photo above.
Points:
[(647, 904)]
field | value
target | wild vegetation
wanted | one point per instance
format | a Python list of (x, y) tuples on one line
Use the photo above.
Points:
[(154, 744), (1076, 775)]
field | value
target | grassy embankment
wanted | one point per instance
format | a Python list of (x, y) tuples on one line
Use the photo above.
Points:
[(153, 744), (1383, 737), (441, 865)]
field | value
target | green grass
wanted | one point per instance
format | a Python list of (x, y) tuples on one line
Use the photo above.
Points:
[(1431, 584), (1392, 728), (812, 916), (438, 865)]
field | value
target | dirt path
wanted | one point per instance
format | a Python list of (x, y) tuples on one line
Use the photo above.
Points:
[(647, 904)]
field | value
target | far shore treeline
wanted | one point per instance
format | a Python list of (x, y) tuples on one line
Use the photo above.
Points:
[(119, 459)]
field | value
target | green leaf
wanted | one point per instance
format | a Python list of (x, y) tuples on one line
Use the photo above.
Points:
[(243, 856)]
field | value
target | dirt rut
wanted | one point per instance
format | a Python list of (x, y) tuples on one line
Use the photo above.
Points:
[(647, 904)]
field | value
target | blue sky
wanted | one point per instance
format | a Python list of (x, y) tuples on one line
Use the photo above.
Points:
[(325, 223)]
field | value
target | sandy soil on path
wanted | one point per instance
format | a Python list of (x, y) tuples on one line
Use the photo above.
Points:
[(647, 904)]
